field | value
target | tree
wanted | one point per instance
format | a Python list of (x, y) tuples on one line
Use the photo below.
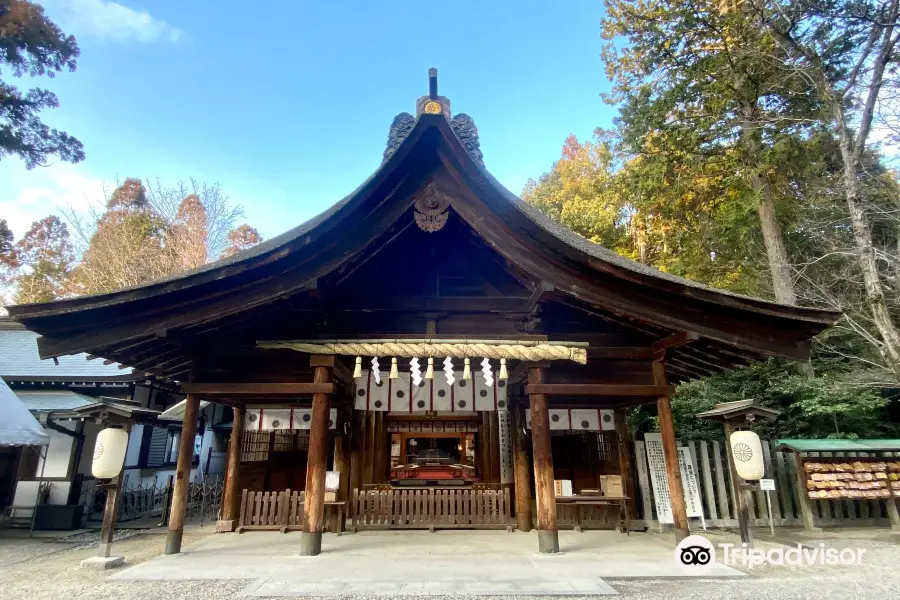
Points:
[(219, 214), (692, 87), (45, 255), (843, 49), (240, 238), (6, 239), (123, 245), (32, 45), (187, 236)]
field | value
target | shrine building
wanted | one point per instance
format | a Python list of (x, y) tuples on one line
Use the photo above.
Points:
[(446, 349)]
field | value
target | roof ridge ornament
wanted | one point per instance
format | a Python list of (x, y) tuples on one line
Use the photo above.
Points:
[(462, 124), (431, 210)]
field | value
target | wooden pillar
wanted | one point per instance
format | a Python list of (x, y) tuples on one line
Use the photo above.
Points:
[(316, 465), (369, 449), (231, 495), (380, 473), (544, 491), (357, 440), (182, 475), (342, 463), (522, 472), (111, 510), (807, 509), (626, 468), (487, 454), (740, 496), (670, 451), (495, 446)]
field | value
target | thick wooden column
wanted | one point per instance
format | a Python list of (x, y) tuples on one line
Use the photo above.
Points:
[(495, 446), (626, 468), (545, 494), (316, 465), (357, 440), (231, 495), (522, 472), (182, 475), (670, 450)]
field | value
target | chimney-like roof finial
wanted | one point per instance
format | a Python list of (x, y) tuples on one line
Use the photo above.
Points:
[(432, 83)]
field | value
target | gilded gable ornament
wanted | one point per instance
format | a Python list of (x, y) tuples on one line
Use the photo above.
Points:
[(431, 210)]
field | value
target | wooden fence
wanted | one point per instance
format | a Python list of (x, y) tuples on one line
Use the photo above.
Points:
[(717, 492), (271, 510), (430, 508)]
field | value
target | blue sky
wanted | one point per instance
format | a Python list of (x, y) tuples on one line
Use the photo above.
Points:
[(287, 104)]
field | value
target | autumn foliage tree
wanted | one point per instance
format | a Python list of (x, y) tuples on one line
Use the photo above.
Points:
[(45, 257), (32, 45), (240, 238)]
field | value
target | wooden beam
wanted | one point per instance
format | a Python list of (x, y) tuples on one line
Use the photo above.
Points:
[(542, 290), (598, 389), (635, 353), (258, 389), (495, 304), (673, 341)]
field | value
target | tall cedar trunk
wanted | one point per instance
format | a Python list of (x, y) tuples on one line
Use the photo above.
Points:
[(862, 236), (773, 237)]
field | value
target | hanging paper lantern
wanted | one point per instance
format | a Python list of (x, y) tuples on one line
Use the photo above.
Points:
[(486, 370), (448, 370), (357, 370), (415, 373), (394, 374), (376, 370), (502, 374), (467, 371), (748, 455), (109, 453), (429, 370)]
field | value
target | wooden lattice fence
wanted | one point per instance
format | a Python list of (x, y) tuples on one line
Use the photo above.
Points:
[(430, 508)]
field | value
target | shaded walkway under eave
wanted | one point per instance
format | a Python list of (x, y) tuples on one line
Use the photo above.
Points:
[(418, 562)]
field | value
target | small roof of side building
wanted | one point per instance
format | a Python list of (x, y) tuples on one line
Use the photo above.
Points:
[(20, 361)]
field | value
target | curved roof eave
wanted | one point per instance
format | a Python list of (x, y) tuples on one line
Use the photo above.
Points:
[(593, 257)]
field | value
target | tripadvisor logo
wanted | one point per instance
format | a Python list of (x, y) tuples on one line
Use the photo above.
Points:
[(695, 555)]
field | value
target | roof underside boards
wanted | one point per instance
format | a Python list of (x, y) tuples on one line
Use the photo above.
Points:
[(829, 445), (161, 327)]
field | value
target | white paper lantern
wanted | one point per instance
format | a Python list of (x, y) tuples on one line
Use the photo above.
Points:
[(109, 453), (748, 455)]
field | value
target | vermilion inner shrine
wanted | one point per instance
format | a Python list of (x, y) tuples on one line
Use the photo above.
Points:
[(445, 347)]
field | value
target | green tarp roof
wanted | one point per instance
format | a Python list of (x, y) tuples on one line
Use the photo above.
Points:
[(829, 445)]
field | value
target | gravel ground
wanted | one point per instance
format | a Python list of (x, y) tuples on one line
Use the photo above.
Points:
[(38, 569)]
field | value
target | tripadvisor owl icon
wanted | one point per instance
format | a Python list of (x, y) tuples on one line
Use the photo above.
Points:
[(695, 555)]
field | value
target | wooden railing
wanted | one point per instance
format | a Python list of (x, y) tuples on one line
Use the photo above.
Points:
[(271, 510), (430, 508)]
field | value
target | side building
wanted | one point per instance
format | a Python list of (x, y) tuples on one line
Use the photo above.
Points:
[(73, 397)]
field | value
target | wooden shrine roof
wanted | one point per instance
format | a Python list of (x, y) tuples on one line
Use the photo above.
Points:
[(150, 326)]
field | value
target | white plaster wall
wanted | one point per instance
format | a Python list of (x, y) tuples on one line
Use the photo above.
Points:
[(58, 453), (133, 453)]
